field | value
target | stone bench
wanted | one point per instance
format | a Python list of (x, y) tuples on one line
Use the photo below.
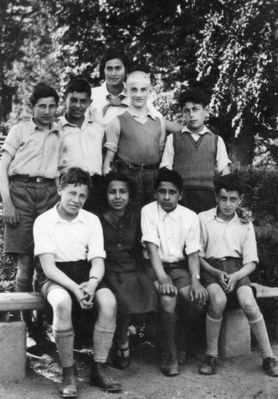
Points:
[(235, 337), (13, 333)]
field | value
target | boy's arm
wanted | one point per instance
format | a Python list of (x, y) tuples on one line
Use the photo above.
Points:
[(221, 276), (243, 272), (112, 132), (53, 273), (197, 291), (10, 213), (222, 160), (95, 276), (166, 286)]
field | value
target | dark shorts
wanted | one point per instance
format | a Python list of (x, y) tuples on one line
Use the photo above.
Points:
[(30, 199), (229, 265), (198, 200), (78, 271), (178, 273)]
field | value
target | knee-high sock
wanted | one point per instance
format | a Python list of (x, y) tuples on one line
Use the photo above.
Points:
[(168, 322), (213, 327), (258, 328), (24, 285), (102, 342), (64, 342)]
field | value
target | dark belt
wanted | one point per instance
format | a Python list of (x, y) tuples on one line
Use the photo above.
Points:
[(31, 179), (142, 166)]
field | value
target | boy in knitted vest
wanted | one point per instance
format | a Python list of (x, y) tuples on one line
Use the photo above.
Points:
[(135, 139), (196, 153)]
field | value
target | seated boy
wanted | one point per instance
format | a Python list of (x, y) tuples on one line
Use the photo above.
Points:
[(196, 153), (69, 243), (29, 167), (228, 256), (171, 235), (137, 138), (82, 138)]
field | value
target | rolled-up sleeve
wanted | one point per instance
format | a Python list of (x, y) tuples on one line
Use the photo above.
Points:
[(222, 159), (168, 154), (43, 237), (203, 244), (192, 243), (113, 131), (149, 227), (249, 249), (12, 141), (96, 242)]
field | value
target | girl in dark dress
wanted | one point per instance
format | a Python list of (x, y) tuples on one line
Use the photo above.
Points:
[(124, 271)]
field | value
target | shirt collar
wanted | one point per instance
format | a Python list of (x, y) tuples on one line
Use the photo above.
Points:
[(202, 132), (173, 215), (135, 115), (214, 216), (87, 119), (53, 128), (80, 218), (104, 88)]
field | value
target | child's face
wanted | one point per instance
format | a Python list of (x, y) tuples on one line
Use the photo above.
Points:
[(72, 199), (168, 196), (138, 93), (117, 195), (194, 116), (114, 72), (44, 111), (228, 202), (77, 104)]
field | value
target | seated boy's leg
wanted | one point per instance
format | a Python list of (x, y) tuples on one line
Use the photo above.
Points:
[(61, 304), (216, 307), (102, 339), (251, 309), (169, 363)]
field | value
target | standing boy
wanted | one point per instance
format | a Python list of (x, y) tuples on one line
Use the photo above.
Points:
[(82, 138), (69, 243), (196, 153), (171, 235), (29, 167), (228, 256), (135, 139)]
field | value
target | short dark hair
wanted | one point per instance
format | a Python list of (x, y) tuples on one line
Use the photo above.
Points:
[(111, 54), (75, 176), (121, 176), (43, 90), (78, 84), (230, 182), (171, 176), (194, 95)]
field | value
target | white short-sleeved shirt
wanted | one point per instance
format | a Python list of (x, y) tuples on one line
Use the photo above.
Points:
[(78, 239), (81, 147), (220, 239), (175, 233), (222, 159)]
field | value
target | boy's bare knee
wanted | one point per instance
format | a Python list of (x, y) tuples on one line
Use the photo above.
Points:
[(217, 300), (107, 303), (168, 303)]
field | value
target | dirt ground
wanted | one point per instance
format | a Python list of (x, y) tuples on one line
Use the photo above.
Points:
[(237, 378)]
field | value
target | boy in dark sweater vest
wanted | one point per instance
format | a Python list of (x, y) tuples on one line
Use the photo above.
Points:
[(137, 139), (196, 153)]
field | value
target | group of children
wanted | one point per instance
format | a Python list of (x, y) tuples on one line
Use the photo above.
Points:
[(138, 244)]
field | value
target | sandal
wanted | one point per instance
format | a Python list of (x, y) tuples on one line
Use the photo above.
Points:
[(121, 358)]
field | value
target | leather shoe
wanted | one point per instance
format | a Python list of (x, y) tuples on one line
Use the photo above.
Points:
[(169, 364), (270, 366), (208, 366), (68, 391), (100, 378)]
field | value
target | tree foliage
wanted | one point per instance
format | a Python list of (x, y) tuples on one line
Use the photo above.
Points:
[(228, 46)]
